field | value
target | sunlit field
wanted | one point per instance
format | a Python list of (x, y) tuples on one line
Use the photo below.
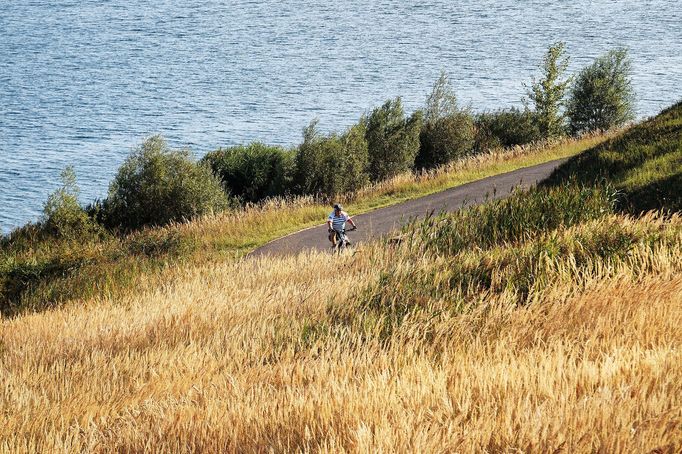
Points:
[(545, 322), (290, 354)]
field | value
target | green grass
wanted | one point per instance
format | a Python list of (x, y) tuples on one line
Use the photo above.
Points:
[(644, 164), (38, 271)]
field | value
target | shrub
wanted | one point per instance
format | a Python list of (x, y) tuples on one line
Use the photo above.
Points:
[(157, 185), (448, 132), (62, 214), (331, 165), (547, 94), (356, 157), (253, 172), (505, 128), (602, 96), (392, 140)]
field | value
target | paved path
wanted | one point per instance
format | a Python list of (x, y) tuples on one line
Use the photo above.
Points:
[(384, 220)]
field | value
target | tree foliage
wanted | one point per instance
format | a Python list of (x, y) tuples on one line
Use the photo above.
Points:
[(157, 185), (602, 96), (547, 94), (442, 101), (62, 214), (448, 131), (331, 164), (253, 172), (505, 128), (392, 139)]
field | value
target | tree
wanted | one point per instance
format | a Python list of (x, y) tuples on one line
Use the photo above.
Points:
[(253, 172), (356, 157), (392, 139), (157, 185), (442, 102), (448, 132), (602, 96), (547, 94), (331, 164), (318, 162), (62, 214)]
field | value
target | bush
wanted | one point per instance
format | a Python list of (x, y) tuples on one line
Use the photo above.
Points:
[(62, 214), (602, 96), (392, 140), (253, 172), (448, 132), (505, 128), (356, 158), (547, 94), (157, 185), (331, 165)]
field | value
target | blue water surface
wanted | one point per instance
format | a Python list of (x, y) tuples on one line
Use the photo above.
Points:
[(83, 82)]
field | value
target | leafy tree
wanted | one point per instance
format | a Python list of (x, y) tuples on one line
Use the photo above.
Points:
[(253, 172), (547, 94), (448, 132), (331, 164), (505, 128), (442, 102), (62, 214), (602, 96), (392, 139), (157, 185), (356, 157), (318, 162)]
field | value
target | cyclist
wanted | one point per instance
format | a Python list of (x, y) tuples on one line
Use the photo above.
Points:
[(336, 222)]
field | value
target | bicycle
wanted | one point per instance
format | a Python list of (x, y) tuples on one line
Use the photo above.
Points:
[(338, 244)]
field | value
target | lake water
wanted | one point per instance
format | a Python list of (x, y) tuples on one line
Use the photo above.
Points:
[(83, 82)]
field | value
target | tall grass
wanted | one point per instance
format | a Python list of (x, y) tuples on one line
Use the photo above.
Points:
[(523, 215), (281, 355)]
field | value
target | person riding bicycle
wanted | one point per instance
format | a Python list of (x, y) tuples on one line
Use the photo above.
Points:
[(336, 223)]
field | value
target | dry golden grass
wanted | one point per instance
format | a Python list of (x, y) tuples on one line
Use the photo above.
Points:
[(230, 358)]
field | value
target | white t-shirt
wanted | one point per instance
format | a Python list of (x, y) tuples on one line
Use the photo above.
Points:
[(338, 222)]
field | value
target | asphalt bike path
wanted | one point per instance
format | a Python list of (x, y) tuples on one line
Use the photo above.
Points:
[(382, 221)]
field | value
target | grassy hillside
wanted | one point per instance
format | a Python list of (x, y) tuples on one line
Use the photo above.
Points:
[(39, 271), (643, 163), (544, 322)]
